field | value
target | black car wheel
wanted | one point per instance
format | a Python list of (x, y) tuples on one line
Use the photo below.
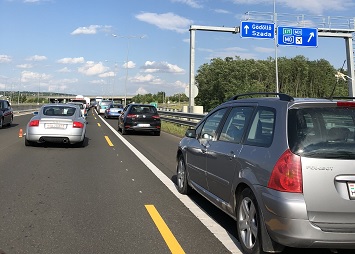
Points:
[(181, 174), (1, 123), (248, 222), (11, 120), (156, 133)]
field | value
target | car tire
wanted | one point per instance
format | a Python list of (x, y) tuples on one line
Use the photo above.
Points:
[(156, 133), (1, 123), (123, 131), (181, 177), (248, 222), (80, 144), (10, 123), (29, 143)]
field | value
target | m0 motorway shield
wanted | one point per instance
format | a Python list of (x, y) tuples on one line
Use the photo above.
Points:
[(297, 36)]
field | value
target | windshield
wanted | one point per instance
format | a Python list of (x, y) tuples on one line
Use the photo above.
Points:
[(322, 132)]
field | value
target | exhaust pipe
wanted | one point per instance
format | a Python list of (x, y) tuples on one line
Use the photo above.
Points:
[(65, 141), (41, 140)]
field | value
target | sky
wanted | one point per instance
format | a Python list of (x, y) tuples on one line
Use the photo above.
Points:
[(130, 47)]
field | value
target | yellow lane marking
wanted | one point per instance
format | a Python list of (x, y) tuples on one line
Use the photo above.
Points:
[(168, 236), (108, 141), (98, 124)]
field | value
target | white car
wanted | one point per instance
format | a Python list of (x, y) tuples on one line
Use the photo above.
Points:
[(82, 107), (56, 123)]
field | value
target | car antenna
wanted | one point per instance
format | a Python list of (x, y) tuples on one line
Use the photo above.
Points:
[(338, 75)]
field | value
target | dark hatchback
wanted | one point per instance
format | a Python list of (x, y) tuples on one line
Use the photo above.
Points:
[(139, 117)]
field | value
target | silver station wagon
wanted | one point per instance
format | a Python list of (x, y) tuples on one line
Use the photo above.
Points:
[(283, 168)]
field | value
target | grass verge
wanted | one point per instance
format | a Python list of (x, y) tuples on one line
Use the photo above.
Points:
[(174, 129)]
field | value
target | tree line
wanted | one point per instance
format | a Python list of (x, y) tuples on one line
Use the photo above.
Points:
[(220, 79)]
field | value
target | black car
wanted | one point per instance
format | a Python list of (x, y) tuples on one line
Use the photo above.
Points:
[(6, 113), (139, 117)]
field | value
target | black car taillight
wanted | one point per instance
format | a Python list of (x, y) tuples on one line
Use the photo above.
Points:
[(156, 116)]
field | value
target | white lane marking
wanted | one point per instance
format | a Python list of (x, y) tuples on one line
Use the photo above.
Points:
[(228, 240)]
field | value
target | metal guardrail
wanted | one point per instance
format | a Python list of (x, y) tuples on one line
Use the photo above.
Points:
[(186, 119)]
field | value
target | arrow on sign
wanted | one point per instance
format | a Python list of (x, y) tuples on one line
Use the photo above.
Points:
[(310, 36), (246, 27)]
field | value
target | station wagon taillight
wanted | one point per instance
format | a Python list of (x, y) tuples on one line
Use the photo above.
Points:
[(287, 173), (34, 123), (78, 125), (346, 104), (131, 115)]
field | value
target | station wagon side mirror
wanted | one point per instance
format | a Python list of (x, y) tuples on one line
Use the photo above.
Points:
[(190, 133)]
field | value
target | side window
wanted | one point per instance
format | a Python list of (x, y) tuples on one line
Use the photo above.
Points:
[(261, 131), (209, 128), (235, 124)]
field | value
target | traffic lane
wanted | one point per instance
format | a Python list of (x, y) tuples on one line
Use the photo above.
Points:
[(185, 226), (53, 202), (161, 151)]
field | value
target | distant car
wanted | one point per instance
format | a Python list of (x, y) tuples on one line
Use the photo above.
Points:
[(281, 167), (139, 117), (103, 105), (56, 123), (6, 113), (82, 107), (113, 111)]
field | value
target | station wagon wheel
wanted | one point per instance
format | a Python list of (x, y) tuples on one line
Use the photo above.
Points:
[(1, 123), (248, 222), (181, 175)]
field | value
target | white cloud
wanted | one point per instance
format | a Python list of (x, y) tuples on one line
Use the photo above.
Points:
[(24, 66), (141, 90), (222, 11), (69, 60), (314, 6), (164, 67), (64, 70), (107, 74), (129, 65), (264, 50), (191, 3), (90, 68), (5, 59), (92, 29), (166, 21), (98, 82), (149, 79), (180, 84), (28, 76), (36, 58)]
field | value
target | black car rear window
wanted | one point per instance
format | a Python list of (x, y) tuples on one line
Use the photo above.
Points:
[(143, 110), (326, 132)]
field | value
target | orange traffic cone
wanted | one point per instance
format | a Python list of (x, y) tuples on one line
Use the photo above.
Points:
[(20, 133)]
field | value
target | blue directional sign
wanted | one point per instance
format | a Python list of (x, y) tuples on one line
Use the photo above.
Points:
[(257, 30), (297, 36)]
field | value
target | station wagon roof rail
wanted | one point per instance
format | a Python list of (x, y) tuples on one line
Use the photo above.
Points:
[(282, 96)]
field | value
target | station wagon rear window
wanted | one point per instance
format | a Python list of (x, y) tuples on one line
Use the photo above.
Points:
[(322, 132)]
